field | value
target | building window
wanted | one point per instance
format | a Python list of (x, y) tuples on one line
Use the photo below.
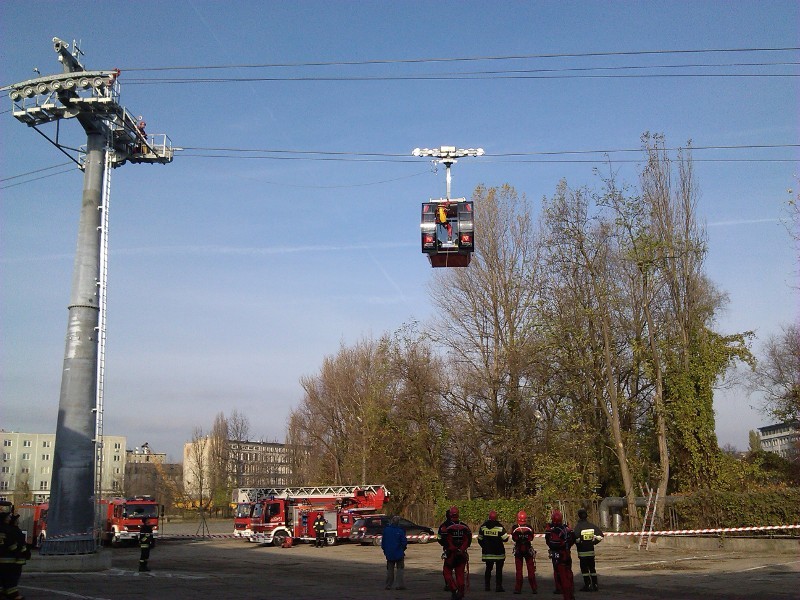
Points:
[(3, 485), (8, 443), (45, 457), (6, 456), (117, 471), (116, 458), (26, 456), (117, 446), (26, 470), (46, 444), (26, 443), (45, 470), (6, 469), (43, 485)]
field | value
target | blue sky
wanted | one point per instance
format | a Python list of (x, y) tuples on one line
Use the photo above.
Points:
[(230, 278)]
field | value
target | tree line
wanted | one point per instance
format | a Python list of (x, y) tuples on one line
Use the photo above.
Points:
[(576, 357)]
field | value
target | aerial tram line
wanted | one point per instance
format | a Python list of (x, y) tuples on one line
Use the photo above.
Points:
[(447, 225)]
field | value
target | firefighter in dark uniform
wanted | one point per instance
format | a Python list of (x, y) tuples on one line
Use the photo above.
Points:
[(22, 554), (587, 536), (319, 529), (457, 538), (146, 542), (8, 547), (522, 535), (559, 539), (491, 538)]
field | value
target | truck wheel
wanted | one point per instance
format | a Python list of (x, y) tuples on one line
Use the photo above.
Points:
[(330, 540), (278, 539)]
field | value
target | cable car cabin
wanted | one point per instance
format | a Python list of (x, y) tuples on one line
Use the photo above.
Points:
[(448, 232)]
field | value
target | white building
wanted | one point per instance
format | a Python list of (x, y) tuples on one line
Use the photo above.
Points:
[(26, 468), (782, 438), (248, 464)]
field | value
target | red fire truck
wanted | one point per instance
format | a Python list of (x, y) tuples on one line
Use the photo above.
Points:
[(123, 518), (33, 521), (241, 520), (289, 512)]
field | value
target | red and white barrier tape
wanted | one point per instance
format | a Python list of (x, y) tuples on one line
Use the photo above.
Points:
[(664, 532)]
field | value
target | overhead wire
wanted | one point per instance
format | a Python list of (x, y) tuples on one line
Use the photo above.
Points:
[(465, 59)]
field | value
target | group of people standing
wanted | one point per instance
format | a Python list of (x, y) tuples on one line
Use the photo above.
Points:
[(455, 538)]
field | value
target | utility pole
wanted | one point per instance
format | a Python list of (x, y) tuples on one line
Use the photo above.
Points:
[(113, 137)]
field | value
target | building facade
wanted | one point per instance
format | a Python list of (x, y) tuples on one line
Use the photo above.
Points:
[(26, 468), (247, 464), (782, 438)]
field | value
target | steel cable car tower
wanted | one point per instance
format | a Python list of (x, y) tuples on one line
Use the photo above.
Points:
[(447, 224), (113, 137)]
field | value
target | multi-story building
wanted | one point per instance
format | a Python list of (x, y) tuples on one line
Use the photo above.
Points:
[(26, 468), (782, 438), (247, 463), (147, 473)]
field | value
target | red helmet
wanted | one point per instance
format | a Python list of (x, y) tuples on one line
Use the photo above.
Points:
[(522, 518), (454, 513), (557, 518), (493, 515)]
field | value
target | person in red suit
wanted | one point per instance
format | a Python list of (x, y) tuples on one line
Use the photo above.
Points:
[(456, 537), (559, 539), (522, 535)]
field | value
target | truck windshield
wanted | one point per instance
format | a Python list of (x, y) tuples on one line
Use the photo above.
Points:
[(134, 511), (243, 510)]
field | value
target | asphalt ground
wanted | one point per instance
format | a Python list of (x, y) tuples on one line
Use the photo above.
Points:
[(195, 569)]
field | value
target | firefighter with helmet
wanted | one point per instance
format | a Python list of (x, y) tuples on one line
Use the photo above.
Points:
[(146, 542), (559, 539), (522, 535), (319, 529), (587, 536), (457, 537), (491, 538)]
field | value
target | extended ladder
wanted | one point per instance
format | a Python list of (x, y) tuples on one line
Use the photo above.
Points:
[(325, 491)]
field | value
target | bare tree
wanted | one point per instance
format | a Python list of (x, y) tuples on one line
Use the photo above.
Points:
[(196, 467), (487, 321), (777, 374), (238, 434)]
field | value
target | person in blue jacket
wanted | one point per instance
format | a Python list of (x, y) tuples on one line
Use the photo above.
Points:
[(394, 544)]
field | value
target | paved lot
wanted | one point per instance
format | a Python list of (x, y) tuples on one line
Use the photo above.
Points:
[(229, 568)]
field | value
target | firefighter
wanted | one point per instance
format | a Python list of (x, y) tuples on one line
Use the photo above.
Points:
[(22, 554), (146, 542), (8, 547), (587, 536), (441, 219), (491, 538), (441, 537), (457, 538), (522, 535), (559, 539), (319, 529)]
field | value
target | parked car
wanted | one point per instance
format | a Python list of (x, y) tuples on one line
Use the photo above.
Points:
[(366, 530)]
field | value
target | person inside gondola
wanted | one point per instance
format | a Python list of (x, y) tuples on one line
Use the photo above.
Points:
[(441, 219)]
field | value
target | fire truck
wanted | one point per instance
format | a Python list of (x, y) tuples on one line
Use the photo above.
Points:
[(241, 520), (122, 518), (289, 512), (33, 521)]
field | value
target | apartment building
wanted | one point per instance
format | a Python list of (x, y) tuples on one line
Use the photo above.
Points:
[(26, 466)]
